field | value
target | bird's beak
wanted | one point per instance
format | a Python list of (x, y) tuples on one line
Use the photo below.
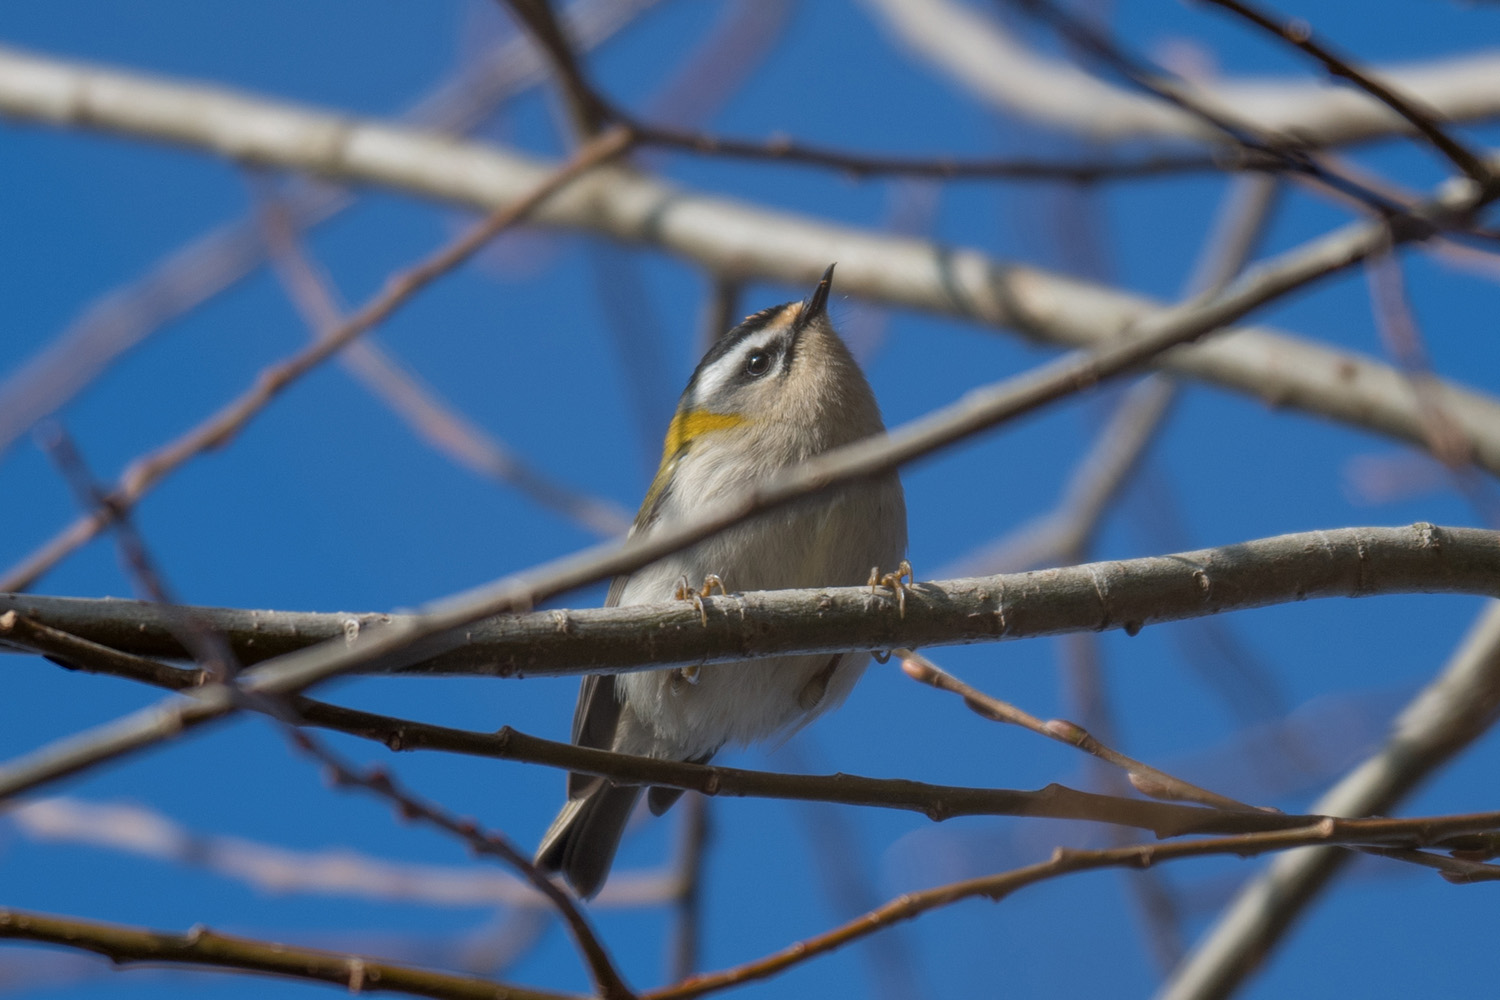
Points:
[(818, 304)]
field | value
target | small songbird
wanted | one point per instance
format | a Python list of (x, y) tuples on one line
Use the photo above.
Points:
[(774, 391)]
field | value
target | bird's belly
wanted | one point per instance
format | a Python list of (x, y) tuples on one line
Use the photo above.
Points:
[(731, 703), (674, 717)]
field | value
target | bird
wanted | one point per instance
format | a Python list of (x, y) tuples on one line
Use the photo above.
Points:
[(777, 389)]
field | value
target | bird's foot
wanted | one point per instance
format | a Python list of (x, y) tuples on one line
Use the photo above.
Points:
[(687, 592), (899, 582)]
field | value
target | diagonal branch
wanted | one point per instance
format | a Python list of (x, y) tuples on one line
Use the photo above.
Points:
[(588, 107)]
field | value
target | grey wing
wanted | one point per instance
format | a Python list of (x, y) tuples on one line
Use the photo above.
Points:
[(597, 714), (594, 722)]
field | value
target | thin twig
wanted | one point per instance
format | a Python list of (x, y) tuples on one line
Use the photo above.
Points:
[(1144, 778), (937, 802), (209, 650), (791, 152), (592, 113)]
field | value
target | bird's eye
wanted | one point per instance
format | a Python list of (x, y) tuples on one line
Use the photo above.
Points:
[(758, 363)]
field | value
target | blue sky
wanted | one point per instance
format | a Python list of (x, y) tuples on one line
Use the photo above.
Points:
[(328, 502)]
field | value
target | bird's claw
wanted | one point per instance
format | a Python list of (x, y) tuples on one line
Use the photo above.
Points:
[(687, 592), (899, 581)]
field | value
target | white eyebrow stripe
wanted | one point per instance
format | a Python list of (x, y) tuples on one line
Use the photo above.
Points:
[(714, 379)]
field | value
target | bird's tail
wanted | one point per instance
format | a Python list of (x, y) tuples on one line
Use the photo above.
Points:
[(581, 842)]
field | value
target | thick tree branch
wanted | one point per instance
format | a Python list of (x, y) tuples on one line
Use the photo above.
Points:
[(732, 238), (1118, 594)]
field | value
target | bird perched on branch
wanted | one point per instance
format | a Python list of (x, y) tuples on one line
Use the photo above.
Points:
[(774, 391)]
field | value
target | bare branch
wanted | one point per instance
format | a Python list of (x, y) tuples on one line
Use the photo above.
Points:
[(1292, 155), (792, 153), (1124, 594), (590, 111)]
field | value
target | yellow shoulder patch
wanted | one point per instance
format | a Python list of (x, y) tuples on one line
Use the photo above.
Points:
[(690, 424)]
